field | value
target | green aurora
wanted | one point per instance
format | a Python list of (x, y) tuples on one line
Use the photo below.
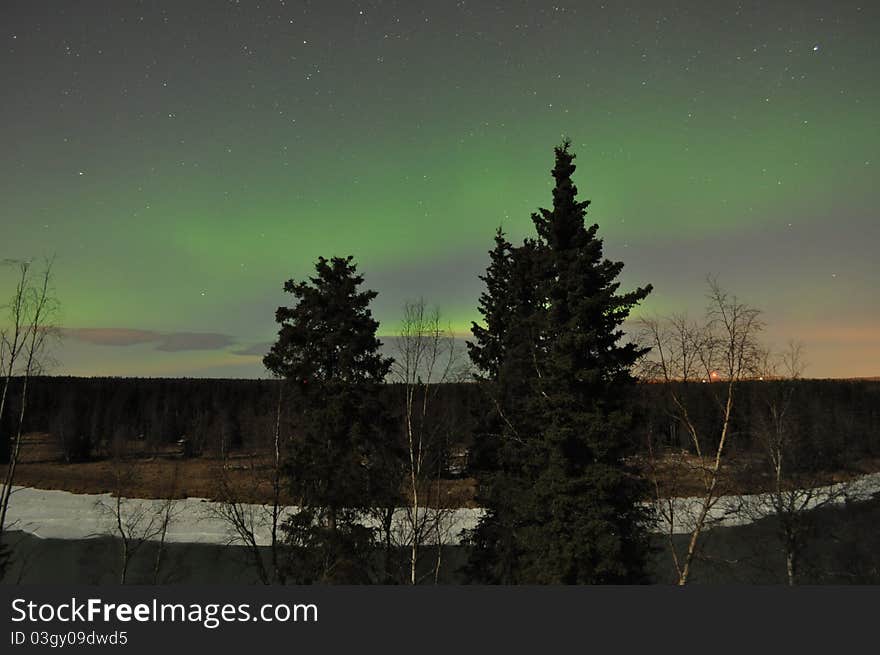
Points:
[(182, 166)]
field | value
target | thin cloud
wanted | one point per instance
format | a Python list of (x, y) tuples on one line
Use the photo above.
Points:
[(164, 341), (111, 336), (177, 341), (254, 350)]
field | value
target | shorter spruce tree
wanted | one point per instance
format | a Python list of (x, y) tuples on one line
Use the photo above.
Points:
[(327, 347)]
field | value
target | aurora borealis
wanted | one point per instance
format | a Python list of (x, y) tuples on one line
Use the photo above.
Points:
[(182, 159)]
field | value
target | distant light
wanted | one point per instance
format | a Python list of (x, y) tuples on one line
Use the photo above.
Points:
[(815, 48)]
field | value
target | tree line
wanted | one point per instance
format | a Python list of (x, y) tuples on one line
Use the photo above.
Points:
[(839, 418)]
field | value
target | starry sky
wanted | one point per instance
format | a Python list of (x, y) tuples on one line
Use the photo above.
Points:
[(182, 159)]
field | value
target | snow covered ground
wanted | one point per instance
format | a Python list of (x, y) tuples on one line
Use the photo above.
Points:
[(64, 515), (730, 511)]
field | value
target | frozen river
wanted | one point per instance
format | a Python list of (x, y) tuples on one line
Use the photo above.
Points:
[(64, 515)]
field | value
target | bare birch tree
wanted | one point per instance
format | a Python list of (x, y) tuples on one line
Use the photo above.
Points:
[(244, 519), (168, 511), (275, 509), (427, 356), (249, 521), (23, 354), (133, 521), (799, 481), (722, 350)]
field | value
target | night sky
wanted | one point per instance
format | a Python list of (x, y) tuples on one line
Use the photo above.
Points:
[(183, 159)]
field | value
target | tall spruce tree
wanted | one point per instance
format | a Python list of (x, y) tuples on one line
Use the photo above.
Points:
[(502, 356), (561, 505), (327, 347), (487, 349)]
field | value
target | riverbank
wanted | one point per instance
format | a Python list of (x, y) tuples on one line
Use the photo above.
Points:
[(54, 514), (843, 548)]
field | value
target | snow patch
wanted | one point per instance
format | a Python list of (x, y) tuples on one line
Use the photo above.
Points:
[(64, 515)]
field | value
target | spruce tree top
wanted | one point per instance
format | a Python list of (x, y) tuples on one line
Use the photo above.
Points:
[(329, 336), (563, 227), (555, 296)]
